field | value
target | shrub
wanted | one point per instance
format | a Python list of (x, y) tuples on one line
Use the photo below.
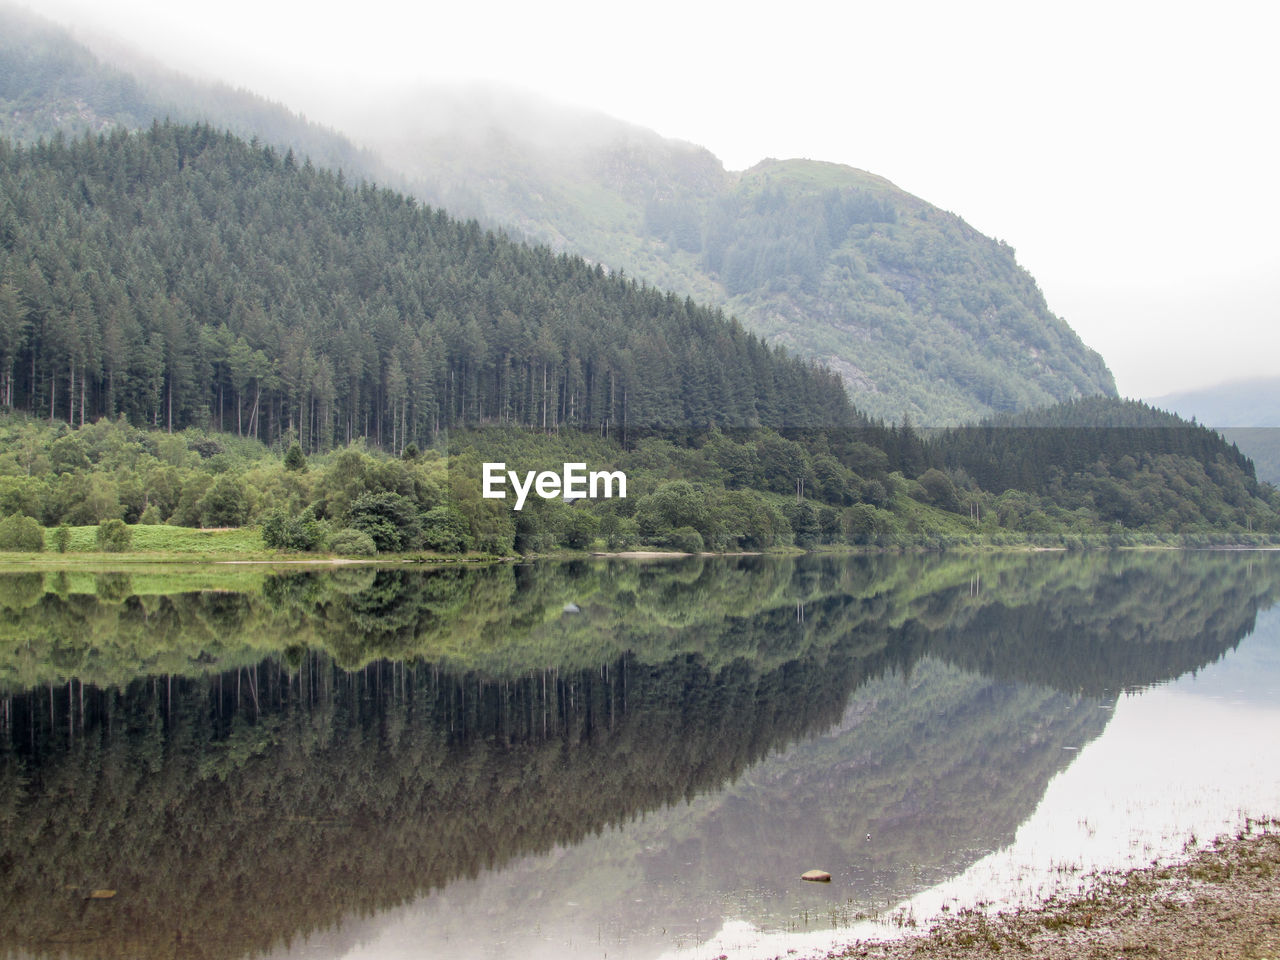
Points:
[(283, 532), (354, 543), (619, 532), (445, 530), (62, 537), (804, 523), (225, 504), (389, 519), (114, 536), (578, 531), (940, 491), (294, 459), (685, 539), (21, 533)]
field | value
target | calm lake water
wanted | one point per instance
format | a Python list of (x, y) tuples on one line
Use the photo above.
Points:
[(607, 759)]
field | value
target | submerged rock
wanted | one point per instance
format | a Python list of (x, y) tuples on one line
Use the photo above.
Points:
[(817, 876)]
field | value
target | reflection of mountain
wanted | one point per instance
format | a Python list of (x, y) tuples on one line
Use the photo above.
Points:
[(232, 809), (1128, 624)]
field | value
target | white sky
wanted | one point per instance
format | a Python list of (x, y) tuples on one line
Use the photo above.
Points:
[(1129, 152)]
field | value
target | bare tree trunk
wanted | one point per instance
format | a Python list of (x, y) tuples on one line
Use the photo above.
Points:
[(253, 417)]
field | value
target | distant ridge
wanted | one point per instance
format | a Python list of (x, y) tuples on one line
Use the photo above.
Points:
[(1246, 412), (1241, 403)]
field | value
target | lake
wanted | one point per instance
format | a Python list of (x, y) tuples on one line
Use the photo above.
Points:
[(613, 758)]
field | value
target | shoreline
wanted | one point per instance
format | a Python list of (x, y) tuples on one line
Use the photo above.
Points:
[(49, 560), (1221, 901)]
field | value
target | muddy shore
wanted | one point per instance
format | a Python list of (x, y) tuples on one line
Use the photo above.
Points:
[(1223, 902)]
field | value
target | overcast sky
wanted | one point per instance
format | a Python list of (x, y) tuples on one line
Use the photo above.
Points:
[(1127, 151)]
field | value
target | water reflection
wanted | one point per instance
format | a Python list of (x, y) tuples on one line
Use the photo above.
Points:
[(251, 767)]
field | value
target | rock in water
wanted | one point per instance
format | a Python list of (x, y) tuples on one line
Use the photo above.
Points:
[(817, 876)]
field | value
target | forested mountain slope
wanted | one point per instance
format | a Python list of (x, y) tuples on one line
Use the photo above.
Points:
[(183, 277), (921, 314)]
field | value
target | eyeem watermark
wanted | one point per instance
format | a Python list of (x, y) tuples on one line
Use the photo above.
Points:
[(572, 483)]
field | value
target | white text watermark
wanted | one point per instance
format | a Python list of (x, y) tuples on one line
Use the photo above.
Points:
[(572, 483)]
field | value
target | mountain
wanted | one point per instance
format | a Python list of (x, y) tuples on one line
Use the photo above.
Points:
[(1246, 412), (182, 276), (919, 313)]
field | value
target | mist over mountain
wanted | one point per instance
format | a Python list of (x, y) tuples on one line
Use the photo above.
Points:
[(1241, 403), (50, 83), (921, 315)]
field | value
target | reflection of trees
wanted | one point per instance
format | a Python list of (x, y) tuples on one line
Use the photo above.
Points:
[(1070, 621), (232, 807)]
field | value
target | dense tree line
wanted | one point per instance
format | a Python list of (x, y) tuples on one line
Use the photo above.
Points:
[(1123, 463), (687, 490), (184, 277)]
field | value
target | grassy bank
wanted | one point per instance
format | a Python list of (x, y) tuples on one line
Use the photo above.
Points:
[(157, 543), (165, 544)]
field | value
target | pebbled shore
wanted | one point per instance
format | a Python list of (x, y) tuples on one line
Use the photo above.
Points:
[(1223, 902)]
